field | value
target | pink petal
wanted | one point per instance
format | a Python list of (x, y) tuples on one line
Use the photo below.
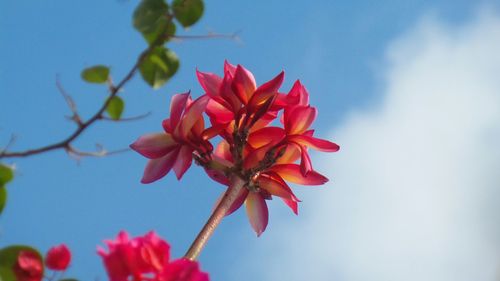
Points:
[(276, 186), (266, 91), (177, 106), (158, 168), (219, 112), (255, 156), (210, 82), (305, 161), (298, 95), (222, 150), (292, 204), (312, 142), (192, 114), (229, 68), (292, 154), (292, 173), (154, 145), (265, 136), (243, 84), (228, 95), (300, 119), (257, 212), (183, 162)]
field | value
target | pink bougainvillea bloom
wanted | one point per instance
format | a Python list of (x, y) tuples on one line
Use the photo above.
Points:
[(145, 258), (58, 257), (29, 266)]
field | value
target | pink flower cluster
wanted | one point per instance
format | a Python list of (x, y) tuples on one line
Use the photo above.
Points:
[(29, 265), (146, 258), (262, 152)]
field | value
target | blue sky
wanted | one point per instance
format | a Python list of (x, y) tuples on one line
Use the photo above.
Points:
[(353, 56)]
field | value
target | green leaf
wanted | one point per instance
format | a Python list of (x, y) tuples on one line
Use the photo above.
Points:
[(152, 20), (6, 174), (96, 74), (115, 107), (159, 66), (165, 29), (3, 197), (188, 12), (8, 258)]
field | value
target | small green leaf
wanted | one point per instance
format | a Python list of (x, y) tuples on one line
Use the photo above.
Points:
[(152, 20), (159, 66), (115, 107), (165, 29), (8, 258), (188, 12), (6, 174), (3, 197), (96, 74)]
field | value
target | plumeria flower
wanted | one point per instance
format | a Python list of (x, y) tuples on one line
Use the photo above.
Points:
[(255, 147), (146, 258), (173, 148)]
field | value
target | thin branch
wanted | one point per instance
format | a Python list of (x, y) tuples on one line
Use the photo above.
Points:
[(125, 119), (66, 143), (211, 35), (70, 102)]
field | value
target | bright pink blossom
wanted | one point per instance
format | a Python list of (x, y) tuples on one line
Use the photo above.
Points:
[(146, 258), (29, 266), (260, 150), (58, 257)]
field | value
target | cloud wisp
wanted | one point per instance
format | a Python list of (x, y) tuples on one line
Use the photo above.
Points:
[(415, 190)]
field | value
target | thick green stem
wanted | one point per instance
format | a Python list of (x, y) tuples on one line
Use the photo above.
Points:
[(234, 189)]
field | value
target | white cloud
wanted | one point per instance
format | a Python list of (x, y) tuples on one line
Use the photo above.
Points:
[(415, 193)]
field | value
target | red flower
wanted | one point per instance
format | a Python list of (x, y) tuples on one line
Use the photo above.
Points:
[(58, 257), (264, 156), (146, 258), (173, 149), (29, 266)]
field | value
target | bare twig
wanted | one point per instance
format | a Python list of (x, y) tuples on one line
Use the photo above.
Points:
[(125, 119), (82, 126), (71, 103), (210, 35)]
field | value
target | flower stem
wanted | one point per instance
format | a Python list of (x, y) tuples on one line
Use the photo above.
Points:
[(237, 184)]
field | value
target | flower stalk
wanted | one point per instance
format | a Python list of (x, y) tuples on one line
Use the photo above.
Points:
[(230, 196)]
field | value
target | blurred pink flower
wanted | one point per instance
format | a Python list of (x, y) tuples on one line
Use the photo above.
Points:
[(146, 258)]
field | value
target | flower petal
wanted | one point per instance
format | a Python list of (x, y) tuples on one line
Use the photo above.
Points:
[(298, 95), (243, 84), (158, 168), (219, 113), (305, 161), (192, 114), (291, 154), (154, 145), (210, 82), (177, 106), (229, 68), (292, 173), (183, 161), (292, 204), (275, 185), (299, 119), (265, 136), (266, 91), (257, 212), (315, 143)]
